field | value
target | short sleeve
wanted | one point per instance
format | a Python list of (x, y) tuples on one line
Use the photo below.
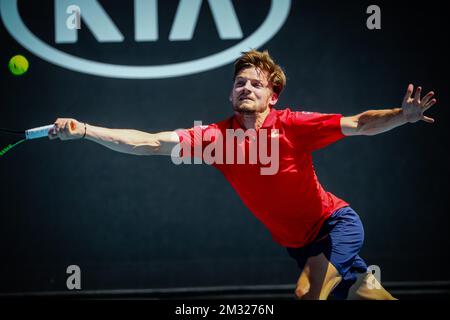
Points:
[(315, 130), (193, 141)]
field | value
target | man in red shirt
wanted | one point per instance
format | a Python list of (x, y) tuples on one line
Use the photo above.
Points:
[(320, 231)]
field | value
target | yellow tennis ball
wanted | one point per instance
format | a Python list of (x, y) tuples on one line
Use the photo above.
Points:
[(18, 65)]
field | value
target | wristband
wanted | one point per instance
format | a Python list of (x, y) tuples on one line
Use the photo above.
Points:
[(84, 135)]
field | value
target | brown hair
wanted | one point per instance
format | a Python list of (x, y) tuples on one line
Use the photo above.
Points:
[(262, 61)]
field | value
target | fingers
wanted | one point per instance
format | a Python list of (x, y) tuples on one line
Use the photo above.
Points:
[(426, 98), (430, 103), (52, 134), (427, 119), (425, 103), (417, 95), (62, 129), (408, 94), (59, 127), (65, 130)]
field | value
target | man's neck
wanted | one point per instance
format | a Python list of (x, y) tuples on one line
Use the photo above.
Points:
[(252, 120)]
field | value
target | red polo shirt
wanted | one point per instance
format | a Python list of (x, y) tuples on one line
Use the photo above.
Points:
[(291, 203)]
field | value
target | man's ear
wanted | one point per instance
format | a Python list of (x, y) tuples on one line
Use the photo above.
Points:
[(273, 99)]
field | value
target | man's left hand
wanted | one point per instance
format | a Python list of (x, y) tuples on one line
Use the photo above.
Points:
[(414, 107)]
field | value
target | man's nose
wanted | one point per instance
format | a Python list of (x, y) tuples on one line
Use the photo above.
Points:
[(248, 86)]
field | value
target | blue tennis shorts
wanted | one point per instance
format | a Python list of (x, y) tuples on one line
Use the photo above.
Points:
[(340, 239)]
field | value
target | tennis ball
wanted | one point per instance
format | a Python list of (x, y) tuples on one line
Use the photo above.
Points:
[(18, 65)]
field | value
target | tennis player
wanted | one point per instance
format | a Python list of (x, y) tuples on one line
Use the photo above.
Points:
[(319, 230)]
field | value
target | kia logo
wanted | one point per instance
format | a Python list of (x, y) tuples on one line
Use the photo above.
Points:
[(146, 29)]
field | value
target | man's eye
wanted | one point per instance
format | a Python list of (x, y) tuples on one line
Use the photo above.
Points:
[(257, 85)]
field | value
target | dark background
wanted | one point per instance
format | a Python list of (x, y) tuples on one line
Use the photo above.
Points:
[(142, 222)]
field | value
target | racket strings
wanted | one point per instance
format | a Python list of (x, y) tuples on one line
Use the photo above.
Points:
[(10, 146), (3, 130)]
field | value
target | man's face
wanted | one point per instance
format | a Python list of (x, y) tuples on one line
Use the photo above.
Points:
[(252, 92)]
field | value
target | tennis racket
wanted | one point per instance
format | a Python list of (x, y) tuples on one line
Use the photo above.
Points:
[(22, 136)]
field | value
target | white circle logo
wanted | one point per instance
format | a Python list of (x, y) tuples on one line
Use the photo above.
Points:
[(278, 13)]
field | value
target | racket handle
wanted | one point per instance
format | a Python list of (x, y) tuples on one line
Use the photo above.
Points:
[(38, 132)]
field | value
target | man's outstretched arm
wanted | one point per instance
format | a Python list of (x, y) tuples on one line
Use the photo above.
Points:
[(373, 122), (121, 140)]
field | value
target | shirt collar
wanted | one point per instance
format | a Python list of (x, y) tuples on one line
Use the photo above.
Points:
[(269, 121)]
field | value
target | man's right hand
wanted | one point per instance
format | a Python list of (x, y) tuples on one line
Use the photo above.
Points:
[(67, 129)]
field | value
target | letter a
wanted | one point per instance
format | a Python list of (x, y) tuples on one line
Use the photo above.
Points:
[(73, 20), (74, 280), (374, 21), (375, 281)]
